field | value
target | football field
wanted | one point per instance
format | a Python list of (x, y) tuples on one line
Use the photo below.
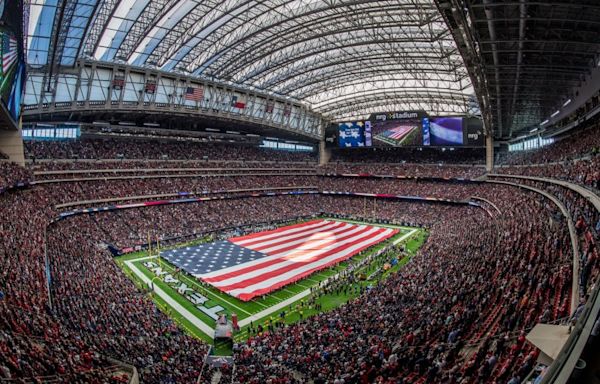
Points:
[(309, 255)]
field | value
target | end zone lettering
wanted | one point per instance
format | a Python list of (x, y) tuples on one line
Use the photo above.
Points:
[(190, 294)]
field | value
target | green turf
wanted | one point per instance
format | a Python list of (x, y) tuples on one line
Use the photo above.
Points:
[(222, 348), (310, 305)]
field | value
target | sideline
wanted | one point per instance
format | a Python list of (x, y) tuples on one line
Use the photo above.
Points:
[(202, 326)]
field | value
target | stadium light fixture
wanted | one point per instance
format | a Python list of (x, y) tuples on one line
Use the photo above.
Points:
[(567, 103), (555, 113), (212, 130), (544, 122), (233, 132), (533, 130)]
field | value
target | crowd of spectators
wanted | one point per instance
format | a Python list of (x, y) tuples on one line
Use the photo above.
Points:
[(163, 165), (133, 330), (408, 170), (405, 329), (12, 174), (189, 171), (411, 328), (45, 171), (584, 172), (586, 219), (131, 148), (584, 142), (393, 155), (141, 189), (99, 304), (33, 340)]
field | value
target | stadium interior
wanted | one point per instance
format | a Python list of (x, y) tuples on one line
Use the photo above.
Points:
[(300, 191)]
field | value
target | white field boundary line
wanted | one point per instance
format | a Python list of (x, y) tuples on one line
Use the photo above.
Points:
[(402, 238), (171, 302), (368, 223)]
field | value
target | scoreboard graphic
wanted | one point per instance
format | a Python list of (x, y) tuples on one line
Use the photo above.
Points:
[(354, 134), (407, 128)]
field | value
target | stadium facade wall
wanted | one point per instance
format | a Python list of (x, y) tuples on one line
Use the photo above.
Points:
[(11, 144)]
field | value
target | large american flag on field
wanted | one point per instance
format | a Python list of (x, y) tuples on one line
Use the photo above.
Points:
[(256, 264), (399, 132), (9, 52)]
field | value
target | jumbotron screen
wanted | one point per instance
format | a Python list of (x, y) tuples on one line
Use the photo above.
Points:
[(443, 131), (397, 133), (354, 134), (407, 129), (12, 70)]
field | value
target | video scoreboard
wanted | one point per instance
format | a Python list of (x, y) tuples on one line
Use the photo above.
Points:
[(355, 134), (407, 128)]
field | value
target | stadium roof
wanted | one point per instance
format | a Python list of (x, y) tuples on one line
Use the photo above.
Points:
[(527, 58), (345, 58)]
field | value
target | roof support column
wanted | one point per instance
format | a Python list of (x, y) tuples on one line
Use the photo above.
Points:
[(11, 143), (490, 16), (489, 151), (324, 153)]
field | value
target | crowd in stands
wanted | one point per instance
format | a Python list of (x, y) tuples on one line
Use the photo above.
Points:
[(408, 170), (412, 328), (163, 165), (99, 304), (584, 142), (130, 190), (584, 172), (33, 341), (425, 155), (586, 219), (12, 175), (111, 148), (134, 331), (405, 329), (44, 171)]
